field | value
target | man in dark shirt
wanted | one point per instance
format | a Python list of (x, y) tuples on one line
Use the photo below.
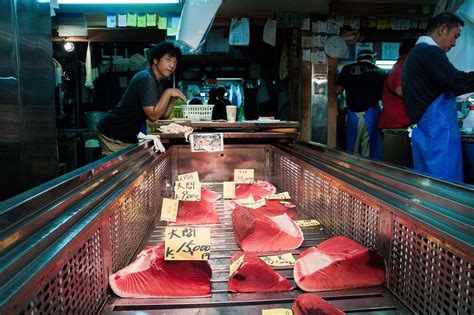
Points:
[(145, 97), (363, 82), (429, 84)]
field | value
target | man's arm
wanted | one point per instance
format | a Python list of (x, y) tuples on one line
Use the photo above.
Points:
[(164, 106), (462, 83)]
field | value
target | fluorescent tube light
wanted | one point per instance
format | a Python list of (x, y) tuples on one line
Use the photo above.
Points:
[(115, 1)]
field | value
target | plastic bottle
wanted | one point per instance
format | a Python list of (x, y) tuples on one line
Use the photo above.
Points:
[(468, 121)]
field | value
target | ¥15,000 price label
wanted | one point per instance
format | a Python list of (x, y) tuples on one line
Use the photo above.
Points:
[(186, 243)]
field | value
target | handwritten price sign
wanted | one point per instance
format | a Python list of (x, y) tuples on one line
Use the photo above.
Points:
[(235, 265), (277, 311), (184, 243), (306, 223), (243, 176), (192, 177), (229, 190), (282, 196), (279, 260), (187, 190), (257, 204), (169, 209)]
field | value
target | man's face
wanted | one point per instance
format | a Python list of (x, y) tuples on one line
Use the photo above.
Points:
[(166, 65), (447, 37)]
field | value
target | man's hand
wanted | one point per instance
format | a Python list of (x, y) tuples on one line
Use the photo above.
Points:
[(175, 93)]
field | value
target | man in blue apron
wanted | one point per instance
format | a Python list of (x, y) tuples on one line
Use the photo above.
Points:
[(430, 83), (363, 82)]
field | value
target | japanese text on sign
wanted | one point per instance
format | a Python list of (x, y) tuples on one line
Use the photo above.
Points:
[(279, 260), (283, 195), (169, 209), (192, 177), (187, 190), (306, 223), (185, 243), (257, 204), (243, 176), (235, 265)]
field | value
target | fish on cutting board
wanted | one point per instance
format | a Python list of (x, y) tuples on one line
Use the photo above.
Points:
[(255, 231), (338, 263), (196, 212), (310, 303), (272, 208), (150, 276), (260, 189), (254, 275)]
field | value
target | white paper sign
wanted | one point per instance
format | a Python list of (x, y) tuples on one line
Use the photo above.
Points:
[(122, 20), (269, 32), (111, 21), (306, 24), (239, 34), (390, 51)]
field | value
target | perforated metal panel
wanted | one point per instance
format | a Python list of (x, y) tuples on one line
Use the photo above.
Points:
[(341, 209), (76, 287), (427, 275), (134, 213), (287, 176)]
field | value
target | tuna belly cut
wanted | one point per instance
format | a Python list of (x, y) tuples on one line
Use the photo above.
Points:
[(150, 276), (256, 232), (258, 190), (308, 304), (196, 212), (338, 263), (254, 275)]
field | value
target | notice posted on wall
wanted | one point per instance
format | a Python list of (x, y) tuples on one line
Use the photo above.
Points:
[(207, 142)]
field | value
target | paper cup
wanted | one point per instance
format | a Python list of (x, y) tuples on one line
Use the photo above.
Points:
[(231, 111)]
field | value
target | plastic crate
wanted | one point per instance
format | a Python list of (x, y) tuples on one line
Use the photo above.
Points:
[(198, 112)]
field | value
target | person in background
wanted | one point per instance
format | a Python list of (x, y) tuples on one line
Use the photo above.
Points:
[(430, 83), (393, 113), (218, 111), (221, 96), (363, 82), (144, 98), (195, 101)]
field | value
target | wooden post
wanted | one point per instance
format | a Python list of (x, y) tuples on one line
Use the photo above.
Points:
[(306, 79), (332, 102)]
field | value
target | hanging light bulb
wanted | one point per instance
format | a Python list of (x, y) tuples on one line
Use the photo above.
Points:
[(68, 46)]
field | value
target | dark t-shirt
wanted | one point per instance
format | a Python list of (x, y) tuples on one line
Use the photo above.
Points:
[(426, 73), (363, 83), (123, 121)]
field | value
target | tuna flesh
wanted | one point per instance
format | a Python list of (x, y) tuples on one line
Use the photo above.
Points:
[(258, 190), (273, 208), (255, 231), (150, 276), (209, 195), (254, 275), (308, 304), (338, 263), (196, 212)]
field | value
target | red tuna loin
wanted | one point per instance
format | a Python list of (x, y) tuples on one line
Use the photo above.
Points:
[(308, 304), (256, 232), (254, 275), (196, 212), (209, 195), (338, 263), (150, 276), (273, 208), (258, 190)]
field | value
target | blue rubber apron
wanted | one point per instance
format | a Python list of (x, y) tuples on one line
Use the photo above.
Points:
[(371, 117), (436, 141)]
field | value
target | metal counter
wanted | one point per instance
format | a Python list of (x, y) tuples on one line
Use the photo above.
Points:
[(62, 240)]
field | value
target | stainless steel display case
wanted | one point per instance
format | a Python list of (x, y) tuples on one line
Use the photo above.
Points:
[(62, 240)]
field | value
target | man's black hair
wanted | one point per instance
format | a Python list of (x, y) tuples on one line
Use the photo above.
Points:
[(163, 48), (451, 20), (406, 46)]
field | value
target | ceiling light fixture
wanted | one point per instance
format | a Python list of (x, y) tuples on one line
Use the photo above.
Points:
[(116, 1), (69, 47)]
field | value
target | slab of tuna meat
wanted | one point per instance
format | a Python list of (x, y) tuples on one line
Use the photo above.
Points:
[(258, 190), (338, 263), (254, 275), (209, 195), (196, 212), (150, 276), (273, 208), (255, 231), (309, 304)]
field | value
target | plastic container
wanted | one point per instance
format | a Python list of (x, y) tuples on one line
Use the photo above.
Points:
[(468, 121), (198, 112)]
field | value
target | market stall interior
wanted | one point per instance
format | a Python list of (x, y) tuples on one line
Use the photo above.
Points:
[(75, 226)]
